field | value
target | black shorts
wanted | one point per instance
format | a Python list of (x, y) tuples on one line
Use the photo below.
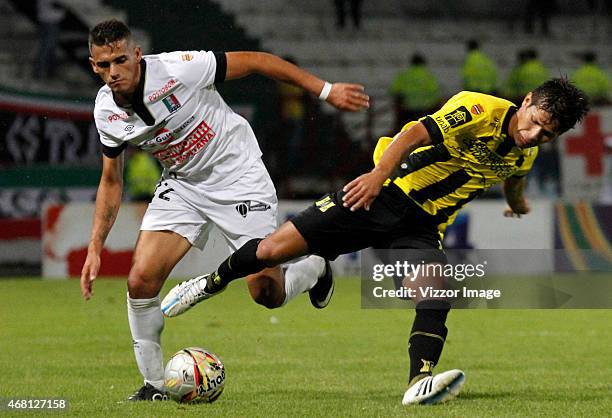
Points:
[(393, 222)]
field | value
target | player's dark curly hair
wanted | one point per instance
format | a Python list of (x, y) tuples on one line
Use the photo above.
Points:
[(566, 103), (107, 32)]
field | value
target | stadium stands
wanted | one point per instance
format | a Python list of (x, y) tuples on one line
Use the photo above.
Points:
[(392, 30)]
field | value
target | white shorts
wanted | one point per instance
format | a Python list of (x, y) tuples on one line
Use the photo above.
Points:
[(243, 210)]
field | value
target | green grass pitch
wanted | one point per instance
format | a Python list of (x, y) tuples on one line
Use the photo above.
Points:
[(342, 361)]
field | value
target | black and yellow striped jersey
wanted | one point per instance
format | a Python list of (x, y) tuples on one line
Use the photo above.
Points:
[(471, 151)]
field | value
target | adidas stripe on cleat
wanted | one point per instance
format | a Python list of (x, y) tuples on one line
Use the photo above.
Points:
[(435, 389)]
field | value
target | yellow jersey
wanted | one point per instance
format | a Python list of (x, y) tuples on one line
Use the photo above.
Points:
[(472, 150)]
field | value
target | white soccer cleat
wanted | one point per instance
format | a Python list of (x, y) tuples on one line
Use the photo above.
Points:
[(186, 295), (435, 389)]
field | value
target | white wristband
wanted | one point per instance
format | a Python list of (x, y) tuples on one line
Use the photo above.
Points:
[(325, 91)]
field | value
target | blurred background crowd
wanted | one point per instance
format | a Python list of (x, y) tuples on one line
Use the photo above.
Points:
[(411, 56)]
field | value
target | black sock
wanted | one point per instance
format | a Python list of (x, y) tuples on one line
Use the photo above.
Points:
[(240, 264), (427, 337)]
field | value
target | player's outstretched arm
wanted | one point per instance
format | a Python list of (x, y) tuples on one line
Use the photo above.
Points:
[(518, 204), (344, 96), (108, 200), (362, 191)]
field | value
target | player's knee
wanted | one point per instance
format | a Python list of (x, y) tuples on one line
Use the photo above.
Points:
[(269, 253), (141, 285), (265, 293), (265, 299)]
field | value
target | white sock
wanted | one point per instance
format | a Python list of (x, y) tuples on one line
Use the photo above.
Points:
[(146, 323), (302, 276)]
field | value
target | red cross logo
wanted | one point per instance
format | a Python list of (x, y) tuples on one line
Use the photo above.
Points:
[(590, 144)]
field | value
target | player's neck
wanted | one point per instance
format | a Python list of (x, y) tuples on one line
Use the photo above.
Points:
[(126, 98), (512, 125)]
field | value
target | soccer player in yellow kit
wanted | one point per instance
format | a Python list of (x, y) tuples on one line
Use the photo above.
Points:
[(422, 177)]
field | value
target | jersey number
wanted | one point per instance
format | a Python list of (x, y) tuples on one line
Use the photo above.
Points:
[(162, 195)]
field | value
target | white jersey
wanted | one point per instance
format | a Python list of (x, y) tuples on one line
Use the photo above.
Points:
[(180, 118)]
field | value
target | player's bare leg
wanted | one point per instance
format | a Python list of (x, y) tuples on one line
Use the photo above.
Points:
[(156, 254), (425, 346), (267, 287), (258, 260), (312, 274)]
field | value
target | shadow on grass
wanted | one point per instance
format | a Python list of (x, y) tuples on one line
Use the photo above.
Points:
[(536, 395), (487, 395)]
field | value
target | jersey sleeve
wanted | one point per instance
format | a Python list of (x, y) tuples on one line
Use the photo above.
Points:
[(111, 147), (461, 115), (530, 155), (194, 68)]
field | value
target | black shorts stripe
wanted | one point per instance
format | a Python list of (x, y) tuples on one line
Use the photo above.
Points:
[(432, 129), (441, 188), (416, 161)]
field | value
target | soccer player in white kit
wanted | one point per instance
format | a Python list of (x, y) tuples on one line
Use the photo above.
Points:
[(167, 104)]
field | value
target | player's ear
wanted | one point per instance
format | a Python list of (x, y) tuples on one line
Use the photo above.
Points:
[(93, 65), (137, 53), (527, 100)]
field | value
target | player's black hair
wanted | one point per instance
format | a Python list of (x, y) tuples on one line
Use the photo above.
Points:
[(107, 32), (566, 104)]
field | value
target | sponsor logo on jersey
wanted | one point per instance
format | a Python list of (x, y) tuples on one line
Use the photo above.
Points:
[(477, 109), (186, 57), (117, 116), (458, 117), (247, 206), (183, 125), (171, 103), (156, 95), (161, 137), (183, 151), (442, 124), (128, 128), (484, 155)]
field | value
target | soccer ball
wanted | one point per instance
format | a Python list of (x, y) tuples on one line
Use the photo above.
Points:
[(194, 375)]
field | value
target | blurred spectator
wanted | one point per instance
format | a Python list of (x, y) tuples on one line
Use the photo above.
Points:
[(541, 10), (355, 6), (545, 175), (479, 71), (50, 14), (593, 80), (600, 13), (416, 92), (141, 177), (293, 103), (529, 73)]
